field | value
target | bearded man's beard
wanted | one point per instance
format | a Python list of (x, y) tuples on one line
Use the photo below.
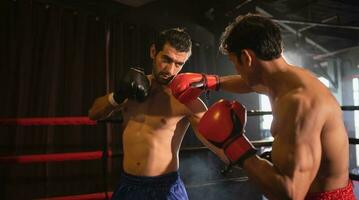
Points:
[(162, 78)]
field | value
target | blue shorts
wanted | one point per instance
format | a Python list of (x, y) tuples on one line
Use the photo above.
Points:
[(164, 187)]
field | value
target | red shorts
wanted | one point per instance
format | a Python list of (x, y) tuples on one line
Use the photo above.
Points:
[(345, 193)]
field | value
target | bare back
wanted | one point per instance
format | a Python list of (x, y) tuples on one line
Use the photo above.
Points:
[(309, 134), (153, 133)]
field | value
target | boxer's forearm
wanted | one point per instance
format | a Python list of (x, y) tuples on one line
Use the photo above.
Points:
[(101, 108), (273, 183), (217, 151)]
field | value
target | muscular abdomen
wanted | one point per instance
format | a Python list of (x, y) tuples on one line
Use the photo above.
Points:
[(152, 137)]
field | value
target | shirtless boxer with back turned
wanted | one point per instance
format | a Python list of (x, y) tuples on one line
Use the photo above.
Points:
[(310, 152)]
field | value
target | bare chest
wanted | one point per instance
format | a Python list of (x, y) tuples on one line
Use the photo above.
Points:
[(160, 110)]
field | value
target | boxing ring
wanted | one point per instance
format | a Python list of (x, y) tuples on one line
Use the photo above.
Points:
[(106, 153)]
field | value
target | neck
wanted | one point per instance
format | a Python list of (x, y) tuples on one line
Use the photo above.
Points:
[(273, 74)]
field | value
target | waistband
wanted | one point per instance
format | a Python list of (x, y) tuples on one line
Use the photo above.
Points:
[(345, 193), (165, 179)]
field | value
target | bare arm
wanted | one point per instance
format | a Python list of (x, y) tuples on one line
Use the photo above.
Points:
[(234, 83), (198, 108), (101, 108), (296, 155)]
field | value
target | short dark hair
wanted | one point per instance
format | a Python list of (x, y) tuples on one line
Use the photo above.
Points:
[(178, 38), (254, 32)]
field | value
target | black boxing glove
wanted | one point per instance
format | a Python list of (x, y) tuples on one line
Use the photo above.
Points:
[(135, 85)]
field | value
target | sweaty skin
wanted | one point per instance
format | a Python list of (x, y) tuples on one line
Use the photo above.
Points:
[(310, 151), (154, 129)]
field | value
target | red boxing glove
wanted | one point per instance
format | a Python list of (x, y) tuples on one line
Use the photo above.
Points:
[(187, 87), (223, 125)]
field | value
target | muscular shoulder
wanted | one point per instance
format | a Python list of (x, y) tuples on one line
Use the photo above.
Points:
[(293, 103), (303, 99), (303, 111)]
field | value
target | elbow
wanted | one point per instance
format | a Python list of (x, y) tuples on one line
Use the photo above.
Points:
[(288, 195), (284, 193), (279, 196), (288, 192), (92, 115)]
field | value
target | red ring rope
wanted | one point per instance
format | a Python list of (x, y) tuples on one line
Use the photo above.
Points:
[(39, 121), (55, 157), (94, 196)]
